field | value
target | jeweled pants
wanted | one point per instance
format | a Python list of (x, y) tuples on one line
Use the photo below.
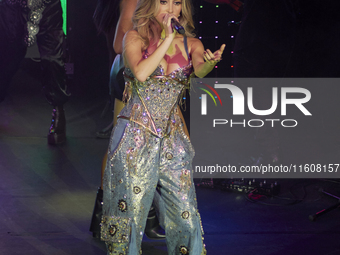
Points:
[(142, 166)]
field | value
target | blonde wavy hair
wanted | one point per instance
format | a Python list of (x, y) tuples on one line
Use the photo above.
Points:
[(144, 17)]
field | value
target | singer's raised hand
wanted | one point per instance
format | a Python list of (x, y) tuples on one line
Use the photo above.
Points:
[(204, 60), (213, 58)]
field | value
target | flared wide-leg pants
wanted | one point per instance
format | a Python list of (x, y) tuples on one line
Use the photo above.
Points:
[(142, 168)]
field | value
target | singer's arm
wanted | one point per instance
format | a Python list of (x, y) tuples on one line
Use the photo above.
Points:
[(127, 7), (204, 61)]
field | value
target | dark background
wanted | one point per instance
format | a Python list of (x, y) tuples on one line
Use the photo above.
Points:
[(306, 32)]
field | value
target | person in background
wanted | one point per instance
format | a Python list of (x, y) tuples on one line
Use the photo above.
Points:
[(22, 23), (264, 47)]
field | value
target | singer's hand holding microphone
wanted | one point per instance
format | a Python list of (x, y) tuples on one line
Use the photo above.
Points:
[(177, 26), (171, 24)]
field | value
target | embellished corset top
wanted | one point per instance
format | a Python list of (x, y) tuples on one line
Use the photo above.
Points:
[(153, 103)]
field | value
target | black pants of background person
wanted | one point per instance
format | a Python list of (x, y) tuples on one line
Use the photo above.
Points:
[(264, 48), (20, 26)]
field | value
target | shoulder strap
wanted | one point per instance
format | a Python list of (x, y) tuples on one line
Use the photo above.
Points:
[(186, 47)]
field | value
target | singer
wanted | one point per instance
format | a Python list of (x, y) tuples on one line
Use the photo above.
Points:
[(149, 153)]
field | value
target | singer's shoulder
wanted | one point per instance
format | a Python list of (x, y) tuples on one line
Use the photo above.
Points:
[(194, 42), (132, 36), (132, 39)]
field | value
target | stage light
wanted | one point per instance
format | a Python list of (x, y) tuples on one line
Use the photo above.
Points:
[(64, 7)]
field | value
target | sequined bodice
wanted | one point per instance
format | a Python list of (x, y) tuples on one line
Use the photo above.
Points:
[(152, 103)]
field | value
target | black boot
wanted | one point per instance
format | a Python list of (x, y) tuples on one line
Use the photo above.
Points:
[(57, 133), (152, 229), (97, 214)]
